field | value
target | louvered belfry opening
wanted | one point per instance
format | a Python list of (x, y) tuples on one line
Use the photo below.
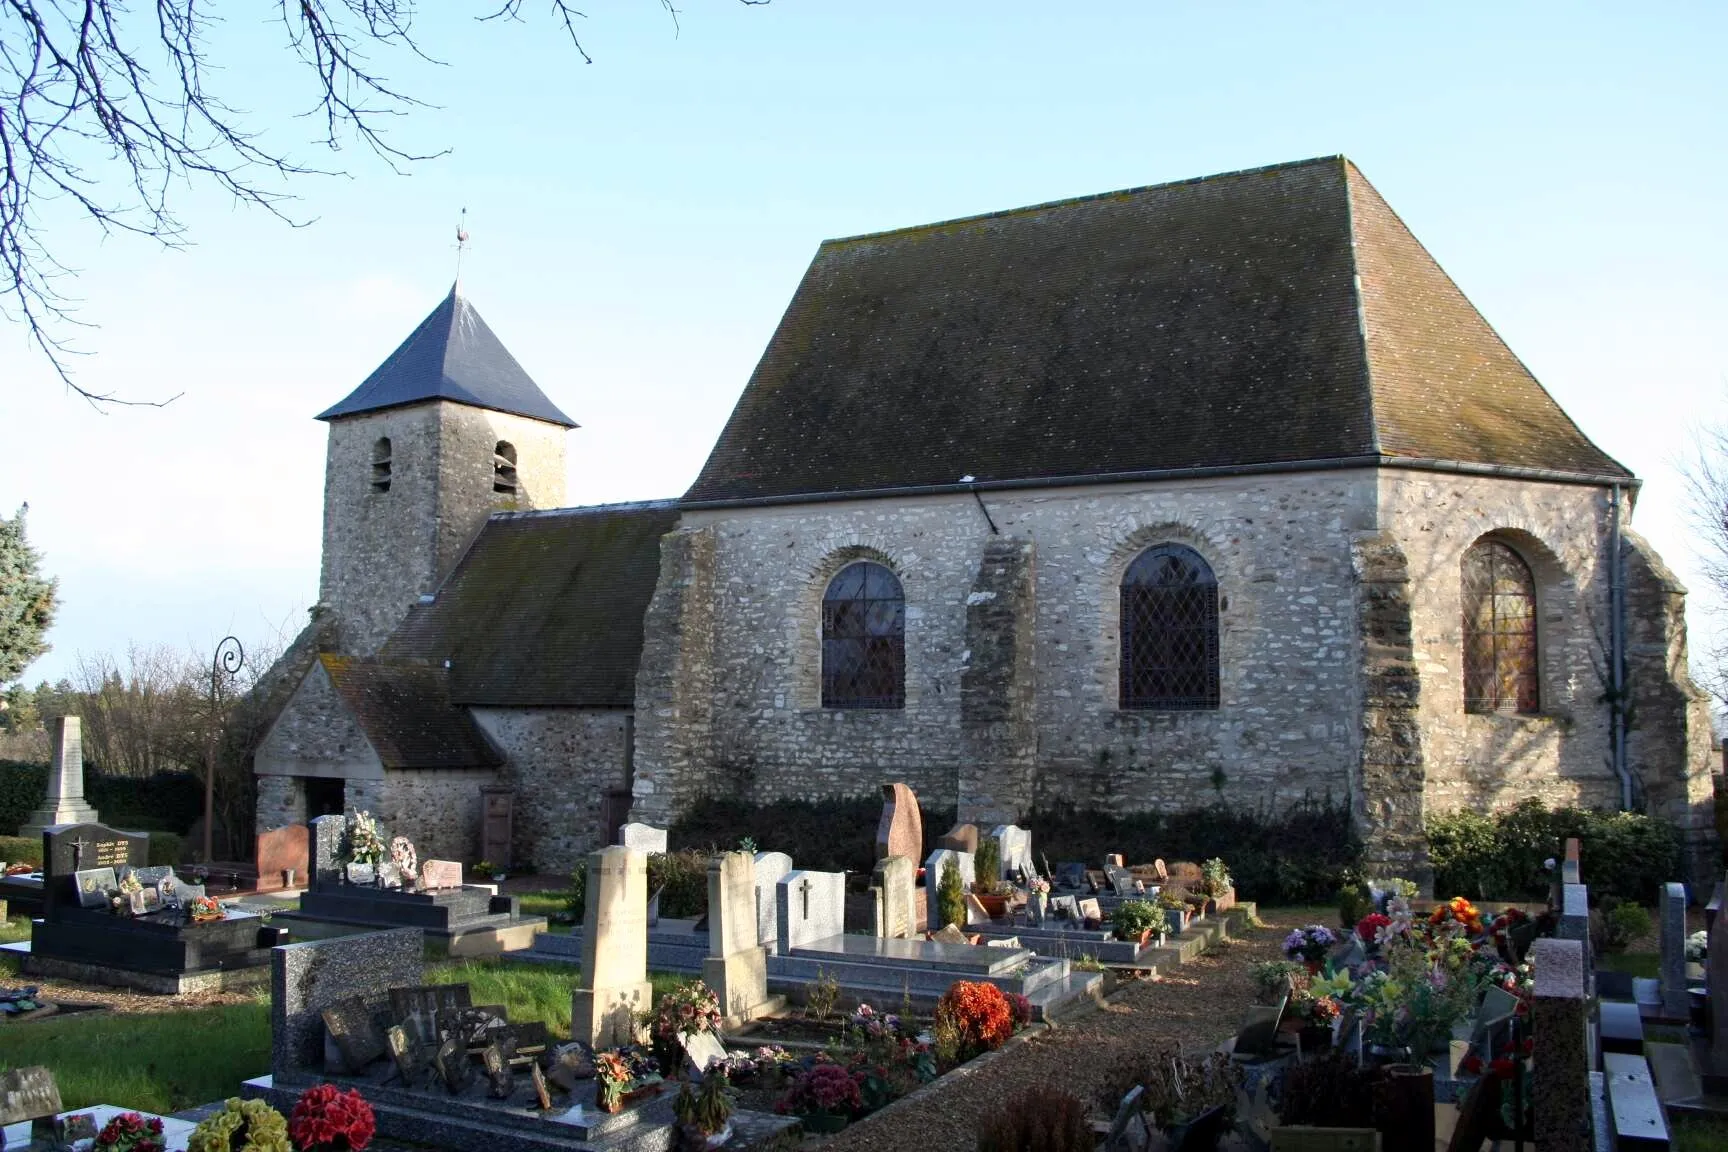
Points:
[(504, 468), (1169, 631), (381, 464), (1500, 660), (864, 639)]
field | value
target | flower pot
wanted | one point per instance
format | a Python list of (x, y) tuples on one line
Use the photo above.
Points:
[(995, 906), (824, 1122)]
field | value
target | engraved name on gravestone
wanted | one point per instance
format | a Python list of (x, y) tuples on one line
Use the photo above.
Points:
[(70, 848)]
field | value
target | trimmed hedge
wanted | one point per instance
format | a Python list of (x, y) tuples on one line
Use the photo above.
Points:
[(165, 802), (164, 849), (1500, 855), (1297, 856)]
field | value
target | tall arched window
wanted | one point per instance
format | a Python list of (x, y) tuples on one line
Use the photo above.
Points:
[(1169, 631), (864, 639), (504, 468), (381, 464), (1500, 665)]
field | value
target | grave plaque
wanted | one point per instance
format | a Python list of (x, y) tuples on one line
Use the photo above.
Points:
[(428, 1000), (496, 1058), (542, 1097), (152, 875), (350, 1025), (453, 1065), (28, 1094), (1070, 874), (189, 892), (475, 1027), (390, 875), (702, 1049), (441, 874), (1065, 907), (409, 1055), (1090, 909), (359, 873), (94, 884)]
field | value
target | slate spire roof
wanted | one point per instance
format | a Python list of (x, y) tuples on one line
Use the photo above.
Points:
[(1282, 317), (452, 355)]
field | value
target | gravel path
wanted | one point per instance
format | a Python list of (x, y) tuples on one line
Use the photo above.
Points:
[(1198, 1005)]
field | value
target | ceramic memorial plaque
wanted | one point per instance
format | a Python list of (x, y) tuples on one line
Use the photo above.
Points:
[(94, 885), (542, 1096), (440, 874), (453, 1065), (1090, 909), (350, 1025), (703, 1049), (359, 873), (390, 875), (498, 1072), (408, 1053), (28, 1094)]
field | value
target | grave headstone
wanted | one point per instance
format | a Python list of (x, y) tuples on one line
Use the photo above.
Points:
[(1162, 872), (961, 838), (642, 837), (1121, 880), (281, 852), (901, 829), (1558, 1017), (1016, 848), (770, 867), (933, 869), (812, 908), (614, 982), (1571, 866), (64, 803), (736, 966), (1114, 860), (897, 879), (72, 848), (1070, 874), (1674, 1001), (1716, 980), (436, 874), (326, 838), (1575, 923), (307, 978)]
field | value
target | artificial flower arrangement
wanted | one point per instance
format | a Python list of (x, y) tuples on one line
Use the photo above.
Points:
[(688, 1009), (1310, 944), (241, 1126), (1038, 886), (203, 908), (1457, 915), (21, 868), (624, 1072), (870, 1024), (1698, 947), (365, 842), (1371, 929), (130, 1132), (1384, 892), (327, 1119), (1215, 877), (402, 855)]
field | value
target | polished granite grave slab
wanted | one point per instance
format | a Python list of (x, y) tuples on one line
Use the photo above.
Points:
[(916, 954)]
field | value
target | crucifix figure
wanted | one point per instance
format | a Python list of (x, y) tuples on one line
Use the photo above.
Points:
[(78, 847), (804, 888)]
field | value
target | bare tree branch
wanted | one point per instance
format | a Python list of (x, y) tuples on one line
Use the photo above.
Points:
[(105, 110)]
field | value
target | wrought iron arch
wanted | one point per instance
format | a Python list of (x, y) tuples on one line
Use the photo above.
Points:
[(864, 638), (1169, 631), (1501, 668)]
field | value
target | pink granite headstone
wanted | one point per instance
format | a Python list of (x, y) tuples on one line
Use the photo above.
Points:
[(280, 851), (441, 874), (961, 838), (901, 831)]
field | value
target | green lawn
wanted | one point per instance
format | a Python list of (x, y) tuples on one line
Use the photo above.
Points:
[(1646, 964), (182, 1057), (1698, 1134), (17, 928)]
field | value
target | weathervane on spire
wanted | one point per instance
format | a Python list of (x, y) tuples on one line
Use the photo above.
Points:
[(461, 244)]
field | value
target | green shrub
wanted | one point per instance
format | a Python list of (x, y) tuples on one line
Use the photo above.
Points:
[(25, 848), (1133, 917), (165, 848), (987, 865), (576, 898), (950, 896), (1501, 855), (1297, 855), (681, 878), (1622, 924), (166, 801), (1355, 901), (835, 834)]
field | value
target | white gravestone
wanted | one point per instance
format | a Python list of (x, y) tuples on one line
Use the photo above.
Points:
[(770, 866), (65, 803), (1016, 848), (897, 887), (933, 869), (614, 983), (812, 908), (736, 966), (642, 837)]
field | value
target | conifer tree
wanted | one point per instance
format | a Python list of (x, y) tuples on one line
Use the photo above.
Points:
[(27, 600)]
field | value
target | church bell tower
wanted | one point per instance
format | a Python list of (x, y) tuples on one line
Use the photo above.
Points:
[(448, 430)]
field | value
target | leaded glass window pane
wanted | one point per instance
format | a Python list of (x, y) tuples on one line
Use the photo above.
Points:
[(1500, 657), (864, 639), (1169, 631)]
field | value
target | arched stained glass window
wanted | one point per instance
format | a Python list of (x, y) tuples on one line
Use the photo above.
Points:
[(1500, 665), (1169, 631), (864, 639)]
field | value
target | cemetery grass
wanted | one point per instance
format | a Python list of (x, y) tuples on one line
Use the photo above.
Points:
[(531, 991), (15, 929)]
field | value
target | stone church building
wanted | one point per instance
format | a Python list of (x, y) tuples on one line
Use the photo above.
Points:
[(1213, 490)]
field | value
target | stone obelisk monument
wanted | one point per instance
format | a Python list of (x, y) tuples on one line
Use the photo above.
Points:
[(65, 803)]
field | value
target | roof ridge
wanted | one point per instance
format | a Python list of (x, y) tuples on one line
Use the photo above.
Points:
[(1061, 202), (587, 509), (1361, 305)]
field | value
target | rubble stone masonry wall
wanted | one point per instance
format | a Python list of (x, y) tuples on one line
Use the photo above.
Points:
[(561, 761)]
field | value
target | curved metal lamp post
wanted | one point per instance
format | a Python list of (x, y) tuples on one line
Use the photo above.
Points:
[(230, 657)]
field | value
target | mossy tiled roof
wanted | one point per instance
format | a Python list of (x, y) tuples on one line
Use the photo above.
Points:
[(407, 716), (546, 608), (1272, 317)]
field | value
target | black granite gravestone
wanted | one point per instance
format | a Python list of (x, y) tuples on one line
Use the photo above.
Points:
[(69, 848)]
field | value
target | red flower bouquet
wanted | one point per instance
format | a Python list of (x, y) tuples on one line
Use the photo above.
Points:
[(1368, 928), (981, 1013), (130, 1132), (327, 1119)]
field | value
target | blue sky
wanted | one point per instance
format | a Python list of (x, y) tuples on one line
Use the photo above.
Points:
[(639, 224)]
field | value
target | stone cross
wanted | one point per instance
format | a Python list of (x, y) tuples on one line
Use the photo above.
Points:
[(1674, 999), (614, 983), (65, 803), (736, 966), (1558, 1018)]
